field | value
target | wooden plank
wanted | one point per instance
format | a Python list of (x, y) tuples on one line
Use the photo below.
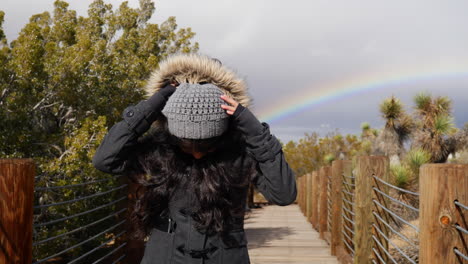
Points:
[(281, 235), (440, 186), (16, 210)]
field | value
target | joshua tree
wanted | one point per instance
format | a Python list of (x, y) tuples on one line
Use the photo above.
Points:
[(397, 129), (328, 159), (436, 133), (462, 138), (367, 132)]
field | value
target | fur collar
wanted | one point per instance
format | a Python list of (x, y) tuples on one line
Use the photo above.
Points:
[(195, 68)]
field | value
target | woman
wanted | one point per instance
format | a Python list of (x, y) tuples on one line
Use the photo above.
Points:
[(196, 162)]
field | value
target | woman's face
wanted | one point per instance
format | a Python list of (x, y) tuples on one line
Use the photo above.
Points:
[(196, 154), (198, 148)]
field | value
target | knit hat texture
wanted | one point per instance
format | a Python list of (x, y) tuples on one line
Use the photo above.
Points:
[(194, 111)]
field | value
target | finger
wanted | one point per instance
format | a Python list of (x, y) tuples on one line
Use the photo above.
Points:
[(230, 112), (229, 100), (228, 107)]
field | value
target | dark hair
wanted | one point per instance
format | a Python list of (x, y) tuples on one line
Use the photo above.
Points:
[(217, 180), (200, 145)]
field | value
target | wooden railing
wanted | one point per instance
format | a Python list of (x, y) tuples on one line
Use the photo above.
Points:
[(355, 208), (56, 230), (366, 219)]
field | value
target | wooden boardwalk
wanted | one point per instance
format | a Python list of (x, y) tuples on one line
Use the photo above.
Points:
[(281, 235)]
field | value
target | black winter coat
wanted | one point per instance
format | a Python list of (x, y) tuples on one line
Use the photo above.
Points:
[(274, 179)]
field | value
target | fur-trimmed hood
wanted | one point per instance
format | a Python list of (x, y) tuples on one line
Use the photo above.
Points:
[(195, 68)]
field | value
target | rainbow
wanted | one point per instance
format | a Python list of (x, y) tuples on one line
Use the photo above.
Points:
[(319, 94)]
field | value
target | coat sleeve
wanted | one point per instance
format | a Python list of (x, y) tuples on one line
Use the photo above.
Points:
[(115, 153), (275, 179)]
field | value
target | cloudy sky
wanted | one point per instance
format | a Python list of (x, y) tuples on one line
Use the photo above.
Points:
[(320, 65)]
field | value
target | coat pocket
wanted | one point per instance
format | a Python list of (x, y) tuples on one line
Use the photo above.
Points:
[(159, 247), (234, 249)]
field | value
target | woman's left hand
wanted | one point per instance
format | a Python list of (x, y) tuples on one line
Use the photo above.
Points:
[(230, 109), (245, 120)]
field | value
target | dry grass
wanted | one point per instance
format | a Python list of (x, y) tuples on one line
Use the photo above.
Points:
[(411, 251)]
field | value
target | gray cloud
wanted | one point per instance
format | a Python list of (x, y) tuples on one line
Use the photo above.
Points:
[(283, 48)]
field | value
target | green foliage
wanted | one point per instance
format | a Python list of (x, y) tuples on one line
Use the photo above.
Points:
[(365, 126), (329, 158), (422, 101), (312, 152), (415, 158), (391, 109), (63, 82), (63, 68), (366, 147), (72, 167), (375, 132), (398, 127), (435, 129), (443, 104), (443, 124), (401, 176)]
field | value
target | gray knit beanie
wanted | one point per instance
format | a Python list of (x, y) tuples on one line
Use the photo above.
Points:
[(194, 111)]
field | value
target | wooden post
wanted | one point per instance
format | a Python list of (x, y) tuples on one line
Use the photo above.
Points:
[(301, 193), (304, 194), (324, 172), (338, 169), (366, 167), (382, 213), (441, 185), (314, 198), (16, 210), (308, 196)]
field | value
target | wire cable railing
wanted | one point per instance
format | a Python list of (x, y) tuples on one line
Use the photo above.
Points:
[(80, 198), (384, 232), (119, 259), (395, 187), (376, 240), (460, 205), (83, 233), (347, 213), (79, 228), (75, 185), (79, 244), (395, 215), (329, 203), (395, 200), (379, 217), (81, 213), (460, 254), (394, 231), (111, 253), (461, 231), (394, 246)]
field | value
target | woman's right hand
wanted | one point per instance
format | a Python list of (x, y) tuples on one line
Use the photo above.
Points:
[(158, 100), (168, 90)]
